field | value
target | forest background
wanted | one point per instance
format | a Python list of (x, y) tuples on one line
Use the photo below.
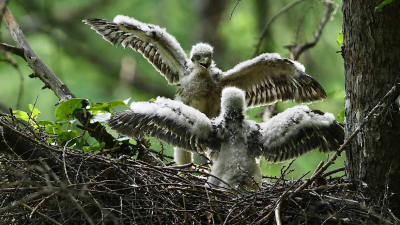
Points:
[(95, 70)]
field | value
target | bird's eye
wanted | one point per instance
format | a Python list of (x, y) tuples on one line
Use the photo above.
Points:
[(197, 57)]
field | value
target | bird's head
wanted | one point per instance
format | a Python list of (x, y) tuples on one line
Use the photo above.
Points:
[(201, 55), (233, 105)]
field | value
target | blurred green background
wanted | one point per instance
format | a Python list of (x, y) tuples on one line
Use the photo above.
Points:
[(94, 69)]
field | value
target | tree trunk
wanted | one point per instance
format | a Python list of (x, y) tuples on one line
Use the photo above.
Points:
[(371, 53)]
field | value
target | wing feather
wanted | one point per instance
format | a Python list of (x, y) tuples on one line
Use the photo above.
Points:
[(167, 120), (154, 43), (297, 131), (269, 78)]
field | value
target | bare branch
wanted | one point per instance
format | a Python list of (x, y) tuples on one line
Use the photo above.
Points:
[(237, 3), (278, 214), (297, 50), (14, 50), (265, 30), (37, 64)]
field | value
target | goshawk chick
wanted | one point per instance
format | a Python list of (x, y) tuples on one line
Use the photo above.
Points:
[(236, 141)]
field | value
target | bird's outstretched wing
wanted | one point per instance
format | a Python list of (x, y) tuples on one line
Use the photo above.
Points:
[(299, 130), (167, 120), (269, 78), (156, 45)]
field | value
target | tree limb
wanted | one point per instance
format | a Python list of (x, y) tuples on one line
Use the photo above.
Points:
[(14, 50), (264, 32), (297, 50), (52, 81)]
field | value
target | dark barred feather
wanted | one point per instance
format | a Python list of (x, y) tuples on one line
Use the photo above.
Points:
[(326, 138), (270, 80), (136, 125), (113, 34)]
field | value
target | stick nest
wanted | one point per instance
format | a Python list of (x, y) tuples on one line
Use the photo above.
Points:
[(44, 184)]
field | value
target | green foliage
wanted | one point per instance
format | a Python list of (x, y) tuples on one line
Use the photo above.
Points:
[(341, 115), (66, 110), (339, 40), (105, 107), (383, 4), (62, 131)]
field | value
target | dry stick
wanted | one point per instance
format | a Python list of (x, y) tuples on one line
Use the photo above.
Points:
[(278, 214), (14, 50), (44, 216), (351, 137), (264, 32), (334, 171), (237, 3), (298, 49), (37, 64)]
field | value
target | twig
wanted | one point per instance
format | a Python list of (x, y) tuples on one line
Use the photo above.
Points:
[(44, 216), (265, 30), (334, 171), (318, 167), (237, 3), (37, 64), (14, 50), (278, 214), (297, 50)]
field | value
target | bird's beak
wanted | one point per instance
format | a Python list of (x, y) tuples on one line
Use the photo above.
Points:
[(205, 62)]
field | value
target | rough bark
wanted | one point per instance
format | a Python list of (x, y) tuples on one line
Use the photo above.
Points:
[(371, 50)]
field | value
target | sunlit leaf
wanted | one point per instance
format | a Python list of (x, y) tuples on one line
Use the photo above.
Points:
[(341, 115), (67, 135), (383, 4), (104, 107), (35, 112), (152, 100), (65, 111), (339, 40), (21, 115)]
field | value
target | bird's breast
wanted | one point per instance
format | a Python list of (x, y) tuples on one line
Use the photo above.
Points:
[(200, 91)]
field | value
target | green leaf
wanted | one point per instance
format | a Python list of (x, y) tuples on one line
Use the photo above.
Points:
[(45, 123), (104, 107), (35, 112), (67, 135), (339, 40), (152, 100), (66, 110), (80, 143), (21, 115), (341, 115), (383, 4)]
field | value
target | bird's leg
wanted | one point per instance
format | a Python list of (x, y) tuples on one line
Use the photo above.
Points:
[(182, 157)]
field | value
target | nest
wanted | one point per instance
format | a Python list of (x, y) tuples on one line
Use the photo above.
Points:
[(44, 184)]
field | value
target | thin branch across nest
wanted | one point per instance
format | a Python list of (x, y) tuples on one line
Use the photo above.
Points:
[(58, 185)]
